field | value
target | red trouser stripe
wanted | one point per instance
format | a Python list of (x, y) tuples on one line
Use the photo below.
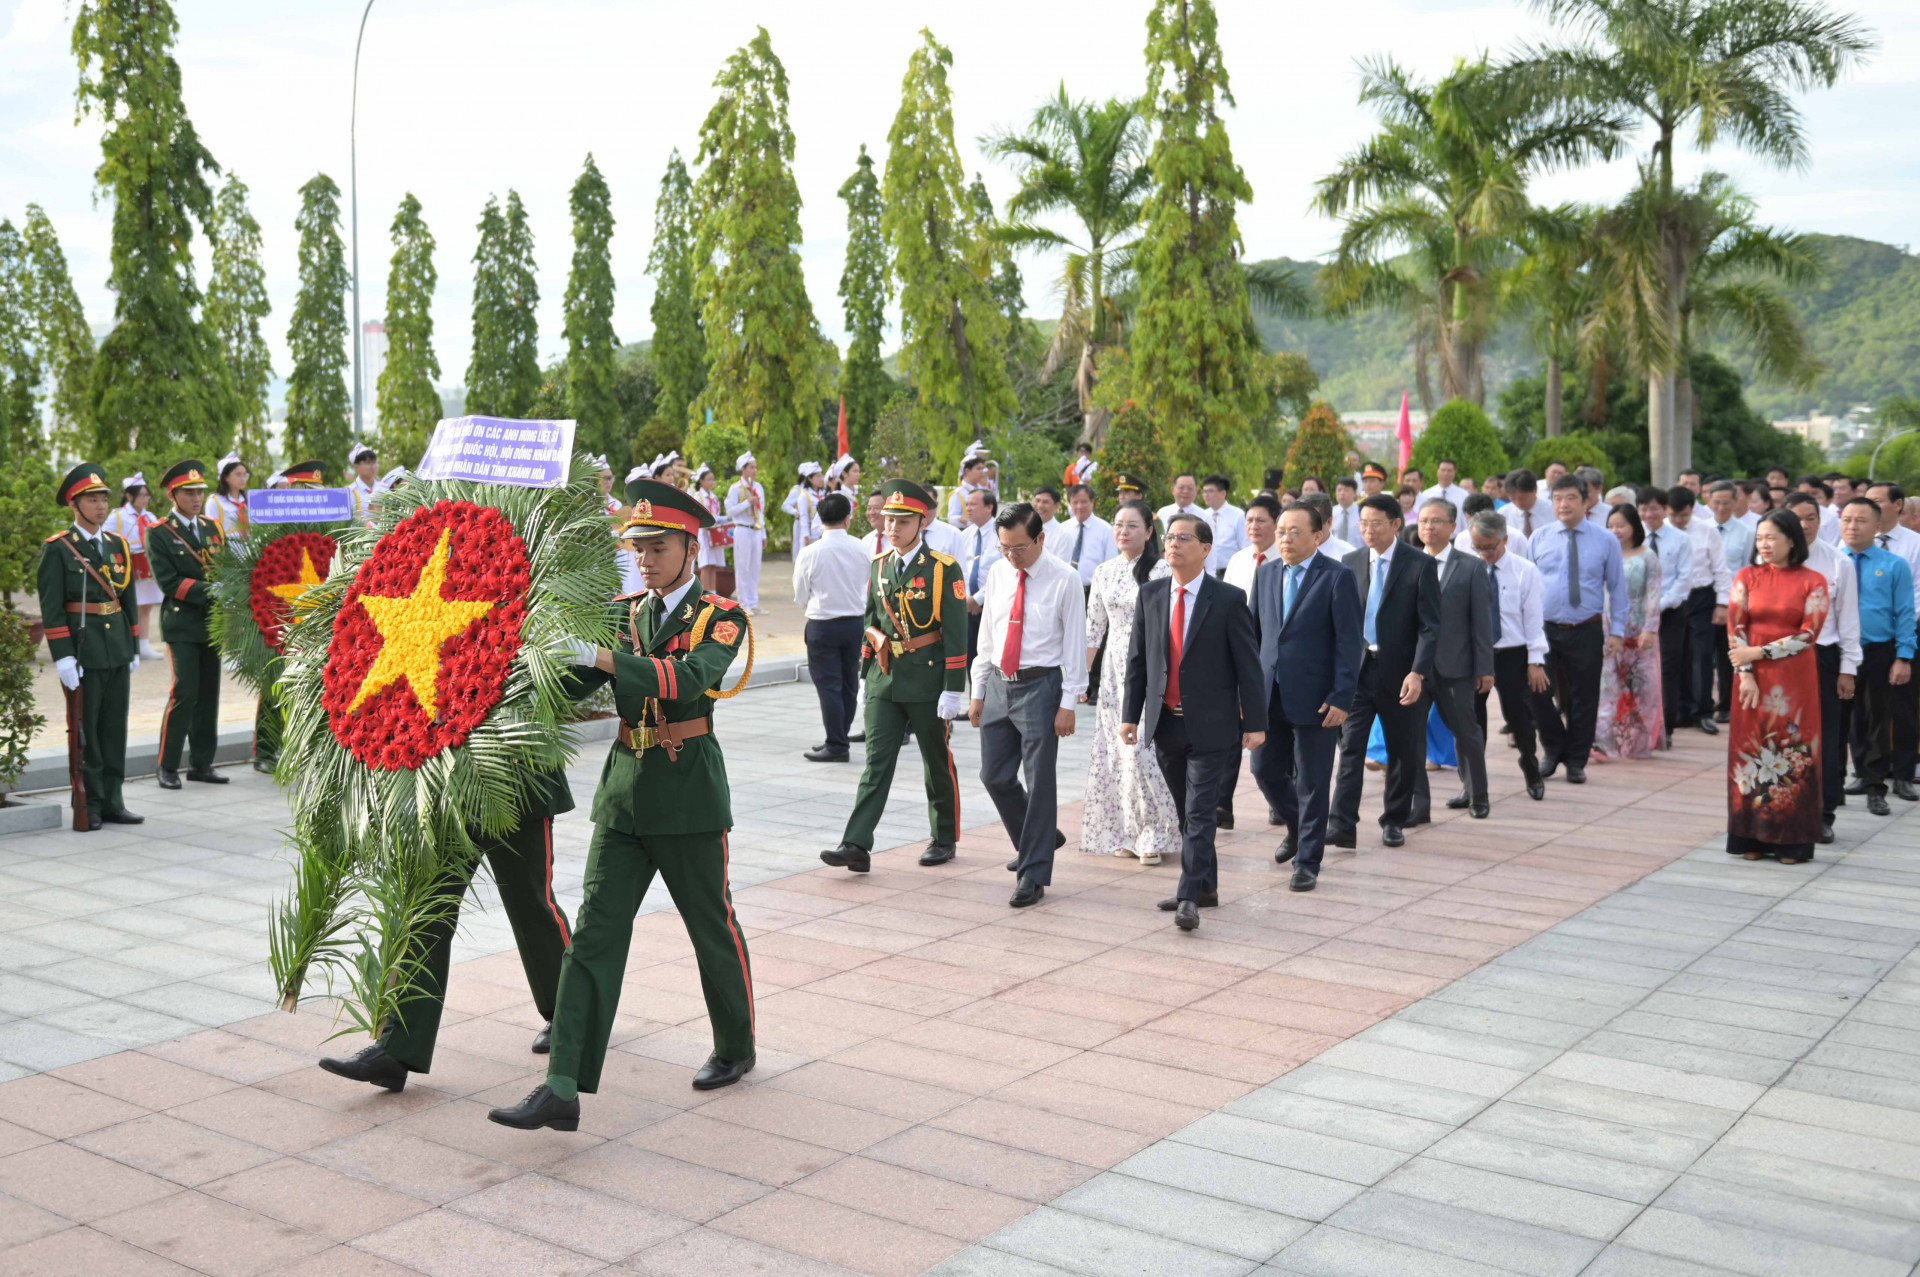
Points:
[(739, 945), (172, 700), (559, 914), (953, 781)]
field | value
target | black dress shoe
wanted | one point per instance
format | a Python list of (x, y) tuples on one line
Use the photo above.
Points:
[(1013, 866), (1304, 879), (1289, 848), (1187, 916), (122, 817), (206, 776), (1721, 716), (543, 1040), (823, 754), (1855, 787), (1172, 903), (1342, 838), (1459, 802), (1059, 840), (1826, 834), (716, 1073), (1548, 766), (1576, 775), (93, 821), (1223, 819), (857, 736), (1708, 726), (1419, 818), (1877, 805), (372, 1064), (937, 853), (848, 856), (1481, 810), (541, 1108), (169, 779), (1902, 789), (1027, 893), (1275, 818), (1392, 836)]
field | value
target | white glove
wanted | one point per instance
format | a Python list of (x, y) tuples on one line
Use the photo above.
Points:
[(68, 668), (581, 653), (952, 704), (133, 665)]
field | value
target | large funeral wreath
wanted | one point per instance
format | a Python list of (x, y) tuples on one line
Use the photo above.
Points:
[(257, 586)]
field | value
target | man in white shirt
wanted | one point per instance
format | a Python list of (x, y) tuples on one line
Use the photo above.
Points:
[(1046, 504), (1709, 586), (366, 486), (1903, 541), (1030, 672), (1518, 543), (1725, 500), (1186, 492), (980, 550), (1674, 549), (1519, 642), (1837, 649), (943, 536), (1346, 512), (830, 580), (1228, 524), (1263, 523), (1523, 509), (1085, 540), (1448, 487), (1822, 493)]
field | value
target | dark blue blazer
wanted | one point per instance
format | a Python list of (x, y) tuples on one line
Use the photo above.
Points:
[(1315, 653)]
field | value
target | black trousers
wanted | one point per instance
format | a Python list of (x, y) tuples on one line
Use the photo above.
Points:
[(1675, 701), (1870, 714), (1906, 730), (1516, 703), (1574, 656), (1294, 769), (1701, 633), (192, 717), (1723, 701), (1833, 731), (833, 663), (1196, 777), (1454, 698), (1405, 729)]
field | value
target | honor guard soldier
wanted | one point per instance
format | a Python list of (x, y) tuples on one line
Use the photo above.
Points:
[(180, 547), (662, 806), (86, 603), (914, 665)]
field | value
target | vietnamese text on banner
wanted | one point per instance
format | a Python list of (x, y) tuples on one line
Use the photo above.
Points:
[(299, 505), (525, 454)]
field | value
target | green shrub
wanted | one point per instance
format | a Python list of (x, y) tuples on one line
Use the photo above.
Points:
[(18, 721), (1461, 431), (1320, 447), (1132, 447)]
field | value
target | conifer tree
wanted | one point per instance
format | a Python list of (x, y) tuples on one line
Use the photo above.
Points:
[(996, 259), (159, 380), (503, 374), (319, 409), (591, 345), (236, 303), (764, 350), (65, 340), (953, 334), (679, 351), (865, 290), (409, 406), (1197, 364), (19, 365)]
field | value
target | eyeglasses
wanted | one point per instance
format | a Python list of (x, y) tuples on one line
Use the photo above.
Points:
[(1287, 534), (1182, 538)]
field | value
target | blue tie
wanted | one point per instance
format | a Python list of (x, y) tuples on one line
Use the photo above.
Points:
[(1493, 571), (1860, 572), (1373, 601), (973, 577), (1293, 586)]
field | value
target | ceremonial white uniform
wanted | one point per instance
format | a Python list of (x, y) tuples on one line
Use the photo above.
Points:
[(711, 555), (132, 525), (746, 506), (364, 496), (803, 503), (228, 515)]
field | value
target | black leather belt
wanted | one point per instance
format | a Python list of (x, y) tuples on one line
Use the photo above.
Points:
[(1029, 673), (1574, 625)]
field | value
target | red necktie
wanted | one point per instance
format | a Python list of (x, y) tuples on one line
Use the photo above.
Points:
[(878, 544), (1259, 557), (1010, 650), (1175, 642)]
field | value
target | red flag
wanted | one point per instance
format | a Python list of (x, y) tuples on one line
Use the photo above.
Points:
[(844, 450), (1405, 432)]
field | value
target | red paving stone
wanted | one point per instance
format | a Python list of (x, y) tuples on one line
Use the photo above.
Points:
[(933, 1065)]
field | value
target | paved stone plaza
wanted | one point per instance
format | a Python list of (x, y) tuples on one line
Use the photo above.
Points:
[(1594, 1046)]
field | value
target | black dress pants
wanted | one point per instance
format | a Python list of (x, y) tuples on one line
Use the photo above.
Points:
[(833, 663), (1870, 714), (1906, 730), (1701, 633), (1833, 732), (1294, 769), (1675, 703), (1516, 704), (1574, 656), (1405, 729), (1196, 777)]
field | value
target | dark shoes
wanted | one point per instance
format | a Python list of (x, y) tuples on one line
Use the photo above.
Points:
[(1187, 916), (1027, 893), (1480, 810), (1419, 818), (372, 1064), (1877, 805), (169, 779), (1171, 903), (1826, 834), (541, 1108), (857, 735), (1288, 849), (716, 1073), (1342, 838), (937, 853), (1013, 866), (1392, 836), (1708, 726), (122, 817), (1902, 789), (848, 856), (543, 1040), (824, 754), (1459, 802), (1549, 767), (1304, 879), (1223, 819), (206, 776), (93, 821), (1856, 786), (1536, 788), (1576, 775), (1275, 818), (1721, 716)]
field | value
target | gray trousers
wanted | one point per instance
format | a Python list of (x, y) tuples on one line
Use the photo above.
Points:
[(1454, 698), (1016, 737)]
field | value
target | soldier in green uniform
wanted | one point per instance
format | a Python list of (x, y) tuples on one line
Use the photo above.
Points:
[(522, 865), (180, 546), (914, 664), (267, 718), (663, 805), (87, 605)]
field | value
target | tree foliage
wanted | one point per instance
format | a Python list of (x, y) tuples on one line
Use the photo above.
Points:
[(1195, 369), (503, 372), (59, 326), (865, 290), (953, 330), (159, 379), (409, 404), (1462, 432), (19, 362), (679, 355), (236, 304), (766, 359), (591, 345), (1320, 447), (1133, 446), (319, 409)]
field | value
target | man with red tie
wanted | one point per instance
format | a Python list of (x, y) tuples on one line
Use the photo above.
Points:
[(1030, 672)]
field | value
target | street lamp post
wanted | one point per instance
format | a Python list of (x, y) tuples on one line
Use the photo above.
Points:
[(1875, 459), (353, 186)]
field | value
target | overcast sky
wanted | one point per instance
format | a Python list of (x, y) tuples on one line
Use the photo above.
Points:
[(462, 98)]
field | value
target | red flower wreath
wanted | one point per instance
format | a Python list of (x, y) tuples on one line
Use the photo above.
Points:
[(422, 644), (285, 567)]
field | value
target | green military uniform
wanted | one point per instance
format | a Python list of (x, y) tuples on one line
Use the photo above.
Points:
[(180, 549), (663, 805), (87, 606), (915, 649), (268, 721)]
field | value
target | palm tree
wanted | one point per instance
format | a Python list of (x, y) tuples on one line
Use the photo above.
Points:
[(1443, 187), (1091, 161), (1555, 284), (1716, 66)]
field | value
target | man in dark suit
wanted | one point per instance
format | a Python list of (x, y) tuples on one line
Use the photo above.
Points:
[(1307, 617), (1193, 689), (1462, 651), (1400, 595)]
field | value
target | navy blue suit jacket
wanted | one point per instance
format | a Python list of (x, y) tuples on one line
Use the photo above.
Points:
[(1315, 653)]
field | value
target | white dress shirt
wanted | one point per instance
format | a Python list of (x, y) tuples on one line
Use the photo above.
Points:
[(946, 538), (747, 506), (1192, 590), (1521, 619), (1830, 524), (1842, 626), (1229, 526), (1903, 542), (1053, 628), (980, 551), (1736, 544), (1751, 519), (1336, 549), (1519, 545), (1096, 547), (830, 576), (1170, 509), (1709, 558), (1374, 559), (1674, 549), (1346, 523), (1452, 492), (1245, 564), (1528, 522)]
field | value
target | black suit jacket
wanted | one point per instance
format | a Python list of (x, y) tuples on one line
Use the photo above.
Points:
[(1315, 650), (1408, 623), (1220, 687)]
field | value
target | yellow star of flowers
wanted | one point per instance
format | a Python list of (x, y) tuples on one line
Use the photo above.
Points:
[(414, 628), (292, 590)]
